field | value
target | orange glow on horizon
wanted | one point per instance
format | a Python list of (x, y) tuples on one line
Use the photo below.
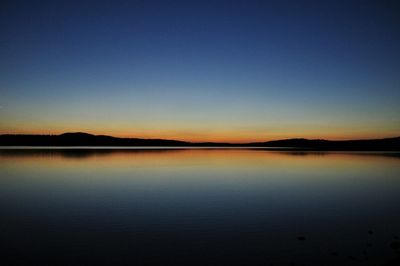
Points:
[(226, 136)]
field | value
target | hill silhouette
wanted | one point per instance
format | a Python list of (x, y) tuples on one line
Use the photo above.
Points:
[(85, 139), (81, 139), (386, 144)]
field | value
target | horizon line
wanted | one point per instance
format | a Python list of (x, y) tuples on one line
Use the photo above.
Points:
[(198, 142)]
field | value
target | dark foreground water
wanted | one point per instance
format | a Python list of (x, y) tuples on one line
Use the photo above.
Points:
[(205, 207)]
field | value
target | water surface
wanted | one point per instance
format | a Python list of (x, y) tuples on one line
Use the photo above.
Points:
[(198, 206)]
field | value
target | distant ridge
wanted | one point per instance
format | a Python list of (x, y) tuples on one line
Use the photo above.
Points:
[(72, 139), (81, 139), (386, 144)]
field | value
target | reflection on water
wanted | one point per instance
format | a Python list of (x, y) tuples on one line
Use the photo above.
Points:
[(207, 207)]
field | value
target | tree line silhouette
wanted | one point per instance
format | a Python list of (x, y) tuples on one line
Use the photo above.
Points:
[(85, 139)]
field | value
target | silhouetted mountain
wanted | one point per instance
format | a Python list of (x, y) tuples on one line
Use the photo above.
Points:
[(85, 139), (387, 144), (82, 139)]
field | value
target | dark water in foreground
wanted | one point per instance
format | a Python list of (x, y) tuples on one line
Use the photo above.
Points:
[(205, 207)]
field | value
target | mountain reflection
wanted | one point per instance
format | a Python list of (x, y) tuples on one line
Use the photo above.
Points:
[(81, 153)]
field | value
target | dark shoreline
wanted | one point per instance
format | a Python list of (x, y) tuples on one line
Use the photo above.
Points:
[(88, 140)]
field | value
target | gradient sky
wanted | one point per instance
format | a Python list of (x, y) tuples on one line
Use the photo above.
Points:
[(201, 70)]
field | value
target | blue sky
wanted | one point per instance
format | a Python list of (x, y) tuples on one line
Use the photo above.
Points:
[(201, 70)]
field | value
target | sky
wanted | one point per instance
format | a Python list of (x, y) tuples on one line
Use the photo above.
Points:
[(234, 71)]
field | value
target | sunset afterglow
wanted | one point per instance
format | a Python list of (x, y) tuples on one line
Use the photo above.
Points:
[(201, 71)]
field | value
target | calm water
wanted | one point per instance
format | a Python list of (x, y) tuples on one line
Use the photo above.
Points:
[(206, 207)]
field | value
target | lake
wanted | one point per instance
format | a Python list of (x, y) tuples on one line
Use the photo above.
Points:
[(199, 206)]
